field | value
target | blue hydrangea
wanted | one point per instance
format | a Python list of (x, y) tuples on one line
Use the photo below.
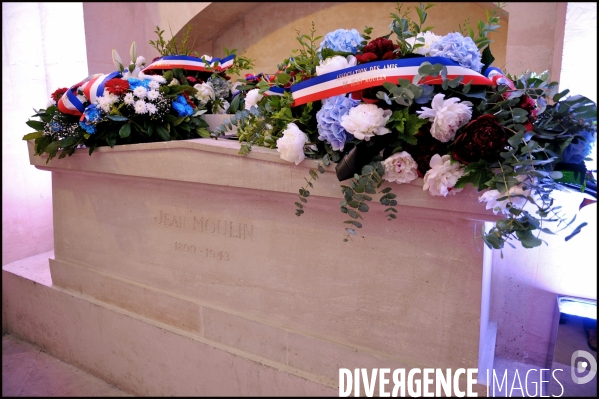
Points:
[(182, 107), (329, 121), (577, 152), (345, 40), (461, 49), (135, 83), (90, 117)]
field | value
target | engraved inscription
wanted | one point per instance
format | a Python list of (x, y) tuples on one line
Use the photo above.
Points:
[(207, 225), (209, 252)]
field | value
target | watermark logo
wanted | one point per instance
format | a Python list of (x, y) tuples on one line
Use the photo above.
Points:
[(580, 367)]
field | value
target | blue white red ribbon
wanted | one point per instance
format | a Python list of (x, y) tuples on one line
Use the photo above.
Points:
[(92, 88), (275, 91), (376, 73), (191, 63)]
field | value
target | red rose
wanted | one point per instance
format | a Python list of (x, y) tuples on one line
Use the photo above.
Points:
[(191, 80), (529, 105), (378, 49), (117, 86), (58, 93), (482, 138), (189, 100)]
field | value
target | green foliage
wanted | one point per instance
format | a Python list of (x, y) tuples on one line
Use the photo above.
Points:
[(172, 46), (405, 28), (406, 125)]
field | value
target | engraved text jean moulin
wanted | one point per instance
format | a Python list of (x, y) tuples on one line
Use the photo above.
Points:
[(205, 225)]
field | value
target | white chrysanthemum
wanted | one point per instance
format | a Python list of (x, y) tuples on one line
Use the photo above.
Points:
[(365, 121), (151, 108), (252, 98), (152, 95), (153, 85), (335, 63), (400, 168), (221, 107), (291, 145), (441, 178), (447, 116), (140, 107), (429, 39), (106, 101), (491, 197), (205, 92), (129, 99), (140, 92)]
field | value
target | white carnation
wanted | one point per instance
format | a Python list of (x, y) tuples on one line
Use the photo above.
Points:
[(365, 121), (335, 63), (441, 178), (429, 39), (252, 98), (491, 197), (447, 116), (400, 168), (205, 92), (291, 145)]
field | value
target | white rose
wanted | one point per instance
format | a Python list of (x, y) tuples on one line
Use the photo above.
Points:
[(233, 87), (335, 63), (252, 98), (491, 196), (205, 92), (441, 178), (365, 121), (291, 145), (447, 116), (400, 168), (429, 39)]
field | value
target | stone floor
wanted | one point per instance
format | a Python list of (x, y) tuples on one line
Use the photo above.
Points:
[(28, 371)]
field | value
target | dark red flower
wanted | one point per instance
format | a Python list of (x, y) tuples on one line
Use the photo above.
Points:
[(191, 80), (482, 138), (117, 86), (58, 93), (189, 100), (425, 149), (528, 104), (378, 49)]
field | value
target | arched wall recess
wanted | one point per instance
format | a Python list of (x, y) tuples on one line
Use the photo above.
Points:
[(267, 31)]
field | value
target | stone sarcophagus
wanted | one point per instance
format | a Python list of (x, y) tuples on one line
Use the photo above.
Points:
[(198, 240)]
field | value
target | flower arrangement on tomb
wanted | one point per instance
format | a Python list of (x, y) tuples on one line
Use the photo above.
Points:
[(141, 102), (412, 104)]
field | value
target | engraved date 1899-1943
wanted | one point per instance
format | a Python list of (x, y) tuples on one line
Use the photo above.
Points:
[(209, 253)]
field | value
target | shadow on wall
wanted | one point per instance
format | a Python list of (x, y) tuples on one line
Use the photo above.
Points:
[(267, 31)]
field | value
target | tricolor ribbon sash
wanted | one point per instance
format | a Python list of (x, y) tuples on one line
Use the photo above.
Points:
[(92, 88), (191, 63), (376, 73), (69, 103)]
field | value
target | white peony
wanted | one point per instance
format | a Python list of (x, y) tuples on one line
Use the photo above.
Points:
[(205, 92), (429, 39), (491, 197), (365, 121), (441, 178), (447, 116), (335, 63), (252, 98), (291, 145), (400, 168)]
